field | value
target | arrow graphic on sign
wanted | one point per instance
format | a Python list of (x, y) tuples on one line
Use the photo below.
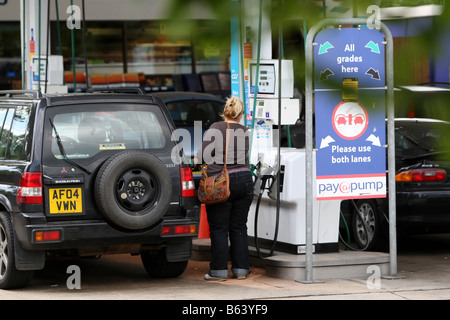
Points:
[(325, 74), (375, 140), (373, 47), (324, 47), (374, 73), (325, 142)]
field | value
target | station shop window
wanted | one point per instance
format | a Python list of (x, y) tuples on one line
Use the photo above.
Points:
[(145, 47), (103, 43), (10, 62)]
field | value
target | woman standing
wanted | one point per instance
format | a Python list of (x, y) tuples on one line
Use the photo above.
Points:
[(229, 218)]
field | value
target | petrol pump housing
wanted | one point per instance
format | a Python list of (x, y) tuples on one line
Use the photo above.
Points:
[(263, 221)]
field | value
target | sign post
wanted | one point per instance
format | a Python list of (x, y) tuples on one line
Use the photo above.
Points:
[(348, 62)]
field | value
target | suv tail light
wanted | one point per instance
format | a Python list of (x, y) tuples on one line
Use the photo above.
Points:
[(421, 175), (187, 182), (179, 230), (30, 188), (48, 235)]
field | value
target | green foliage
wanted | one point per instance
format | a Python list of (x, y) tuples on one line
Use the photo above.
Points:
[(408, 3), (297, 16)]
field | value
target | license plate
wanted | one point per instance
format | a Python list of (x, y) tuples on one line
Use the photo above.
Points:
[(65, 200)]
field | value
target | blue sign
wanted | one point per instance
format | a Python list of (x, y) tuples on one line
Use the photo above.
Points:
[(349, 53), (350, 100)]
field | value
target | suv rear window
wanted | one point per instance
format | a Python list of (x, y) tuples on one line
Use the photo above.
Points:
[(85, 133)]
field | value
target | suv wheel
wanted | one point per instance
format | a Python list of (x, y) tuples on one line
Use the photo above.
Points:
[(157, 265), (10, 277), (133, 189)]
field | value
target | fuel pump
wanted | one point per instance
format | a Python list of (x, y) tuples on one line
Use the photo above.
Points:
[(265, 140), (277, 219), (48, 74)]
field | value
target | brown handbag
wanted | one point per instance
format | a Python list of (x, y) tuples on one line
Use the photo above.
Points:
[(215, 189)]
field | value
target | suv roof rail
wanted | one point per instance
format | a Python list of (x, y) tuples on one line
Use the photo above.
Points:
[(11, 93), (120, 90)]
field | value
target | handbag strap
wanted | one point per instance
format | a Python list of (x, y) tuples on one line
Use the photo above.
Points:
[(226, 148), (226, 144)]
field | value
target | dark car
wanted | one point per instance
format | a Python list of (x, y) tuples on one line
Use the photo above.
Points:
[(91, 174), (422, 151), (188, 107)]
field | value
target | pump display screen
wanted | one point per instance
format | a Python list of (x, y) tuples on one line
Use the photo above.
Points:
[(266, 79)]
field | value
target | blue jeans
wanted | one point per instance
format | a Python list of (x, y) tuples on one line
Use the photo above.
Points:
[(230, 218)]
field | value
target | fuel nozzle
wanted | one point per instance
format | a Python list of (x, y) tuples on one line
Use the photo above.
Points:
[(264, 173)]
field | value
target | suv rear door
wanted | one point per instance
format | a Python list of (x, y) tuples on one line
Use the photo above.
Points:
[(90, 134)]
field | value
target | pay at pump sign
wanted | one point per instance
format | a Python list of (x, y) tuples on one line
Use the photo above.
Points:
[(350, 100)]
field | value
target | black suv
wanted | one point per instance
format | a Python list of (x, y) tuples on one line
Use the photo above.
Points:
[(91, 174)]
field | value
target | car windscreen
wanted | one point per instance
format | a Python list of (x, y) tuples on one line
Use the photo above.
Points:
[(185, 112), (87, 131), (413, 139)]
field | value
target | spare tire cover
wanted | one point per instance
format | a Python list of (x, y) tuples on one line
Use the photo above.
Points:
[(133, 189)]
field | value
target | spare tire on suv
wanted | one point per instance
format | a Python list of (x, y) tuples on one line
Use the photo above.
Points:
[(128, 189)]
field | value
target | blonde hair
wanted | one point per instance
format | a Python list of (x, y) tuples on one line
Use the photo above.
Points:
[(233, 108)]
